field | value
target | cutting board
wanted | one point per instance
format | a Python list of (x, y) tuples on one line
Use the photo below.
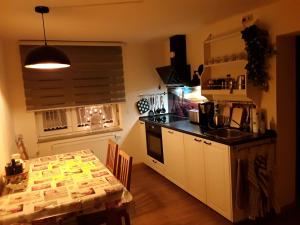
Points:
[(237, 117)]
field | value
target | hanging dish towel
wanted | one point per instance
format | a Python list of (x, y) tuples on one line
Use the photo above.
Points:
[(143, 105)]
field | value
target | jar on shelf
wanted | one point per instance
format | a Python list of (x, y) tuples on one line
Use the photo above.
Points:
[(229, 83), (240, 82)]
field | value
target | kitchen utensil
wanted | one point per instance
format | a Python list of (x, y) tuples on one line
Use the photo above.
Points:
[(151, 112), (236, 117), (200, 70), (240, 83), (142, 105), (163, 110), (158, 110), (155, 104)]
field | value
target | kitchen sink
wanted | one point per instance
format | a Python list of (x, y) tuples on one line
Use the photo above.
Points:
[(228, 133)]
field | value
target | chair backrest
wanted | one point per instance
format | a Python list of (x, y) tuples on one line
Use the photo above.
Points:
[(112, 156), (124, 168), (21, 147)]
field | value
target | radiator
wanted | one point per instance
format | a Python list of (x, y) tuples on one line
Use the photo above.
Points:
[(97, 144)]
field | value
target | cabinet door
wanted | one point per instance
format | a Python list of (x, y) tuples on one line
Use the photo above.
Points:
[(194, 167), (218, 178), (174, 156), (142, 140)]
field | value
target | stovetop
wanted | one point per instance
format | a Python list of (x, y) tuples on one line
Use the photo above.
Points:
[(166, 118)]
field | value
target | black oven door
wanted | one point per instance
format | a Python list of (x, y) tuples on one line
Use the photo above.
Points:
[(154, 142)]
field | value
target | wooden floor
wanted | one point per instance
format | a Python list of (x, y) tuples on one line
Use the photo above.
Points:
[(159, 202)]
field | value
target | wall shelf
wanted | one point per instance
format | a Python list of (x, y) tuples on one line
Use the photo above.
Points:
[(211, 39), (241, 92), (224, 63), (230, 47)]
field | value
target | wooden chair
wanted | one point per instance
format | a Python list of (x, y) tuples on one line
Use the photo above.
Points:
[(112, 156), (124, 167), (21, 147)]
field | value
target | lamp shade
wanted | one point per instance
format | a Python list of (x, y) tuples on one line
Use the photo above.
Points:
[(46, 57)]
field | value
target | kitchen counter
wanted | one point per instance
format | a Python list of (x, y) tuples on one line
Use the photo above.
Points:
[(185, 126)]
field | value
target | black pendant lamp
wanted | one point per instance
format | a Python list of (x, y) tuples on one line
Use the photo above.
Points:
[(46, 57)]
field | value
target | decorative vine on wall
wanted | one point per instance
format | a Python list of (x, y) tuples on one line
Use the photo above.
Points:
[(259, 50)]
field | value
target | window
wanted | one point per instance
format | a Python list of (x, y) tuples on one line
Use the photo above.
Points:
[(77, 121), (95, 77)]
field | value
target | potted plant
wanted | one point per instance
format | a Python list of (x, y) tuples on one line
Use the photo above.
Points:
[(259, 49)]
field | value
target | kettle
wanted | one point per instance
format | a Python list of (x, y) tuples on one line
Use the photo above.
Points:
[(205, 114)]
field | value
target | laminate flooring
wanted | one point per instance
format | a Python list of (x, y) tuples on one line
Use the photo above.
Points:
[(157, 201)]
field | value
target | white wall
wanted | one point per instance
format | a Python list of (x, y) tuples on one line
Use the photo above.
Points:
[(6, 127), (140, 78), (24, 122)]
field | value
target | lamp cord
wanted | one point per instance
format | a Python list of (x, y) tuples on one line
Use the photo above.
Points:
[(44, 29)]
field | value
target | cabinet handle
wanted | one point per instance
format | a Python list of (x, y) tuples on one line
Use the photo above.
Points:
[(154, 161), (198, 140), (208, 143), (142, 123), (170, 132)]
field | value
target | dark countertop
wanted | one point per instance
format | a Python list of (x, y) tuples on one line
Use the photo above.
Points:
[(185, 126)]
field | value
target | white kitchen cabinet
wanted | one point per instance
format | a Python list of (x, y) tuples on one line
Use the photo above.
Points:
[(195, 167), (207, 169), (218, 178), (174, 160)]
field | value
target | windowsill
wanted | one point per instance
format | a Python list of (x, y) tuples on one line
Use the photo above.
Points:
[(75, 135)]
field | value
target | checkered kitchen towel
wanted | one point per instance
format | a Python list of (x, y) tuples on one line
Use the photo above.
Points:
[(143, 105)]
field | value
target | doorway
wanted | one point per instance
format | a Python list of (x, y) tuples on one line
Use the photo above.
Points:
[(297, 120), (288, 169)]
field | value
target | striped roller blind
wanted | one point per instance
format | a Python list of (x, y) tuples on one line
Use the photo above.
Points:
[(95, 77)]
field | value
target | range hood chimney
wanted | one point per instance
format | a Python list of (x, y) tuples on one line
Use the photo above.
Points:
[(178, 73)]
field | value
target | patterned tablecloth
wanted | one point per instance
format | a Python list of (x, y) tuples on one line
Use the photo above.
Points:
[(60, 184)]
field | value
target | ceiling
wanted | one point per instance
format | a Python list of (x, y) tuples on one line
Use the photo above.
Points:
[(95, 20)]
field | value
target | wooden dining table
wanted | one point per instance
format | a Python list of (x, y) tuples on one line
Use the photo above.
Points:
[(74, 183)]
